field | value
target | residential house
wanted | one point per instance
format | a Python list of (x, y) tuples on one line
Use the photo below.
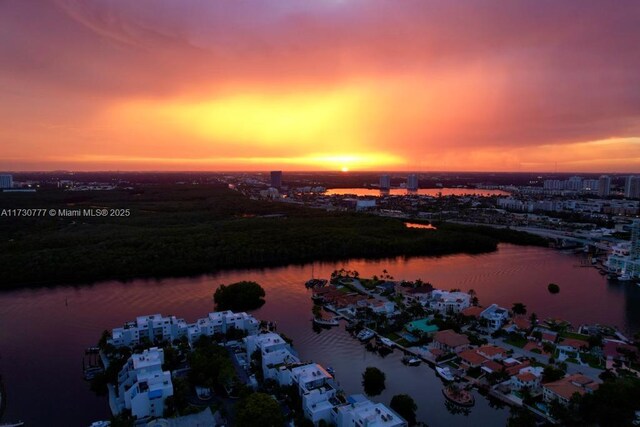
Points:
[(450, 341), (495, 317), (563, 389), (446, 302), (361, 412)]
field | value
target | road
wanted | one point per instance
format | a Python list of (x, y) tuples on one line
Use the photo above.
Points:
[(572, 368)]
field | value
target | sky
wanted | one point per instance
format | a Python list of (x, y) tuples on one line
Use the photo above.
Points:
[(416, 85)]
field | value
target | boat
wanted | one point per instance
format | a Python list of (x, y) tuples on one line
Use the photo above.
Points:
[(411, 361), (316, 283), (18, 424), (386, 342), (331, 371), (624, 277), (100, 424), (325, 322), (445, 373), (365, 335)]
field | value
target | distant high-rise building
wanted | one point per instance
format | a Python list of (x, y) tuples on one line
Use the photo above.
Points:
[(385, 182), (574, 183), (632, 187), (590, 185), (6, 181), (412, 182), (276, 179), (604, 186)]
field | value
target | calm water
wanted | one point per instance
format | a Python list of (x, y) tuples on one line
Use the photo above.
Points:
[(423, 192), (42, 339)]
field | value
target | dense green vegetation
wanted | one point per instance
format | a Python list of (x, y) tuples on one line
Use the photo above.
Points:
[(259, 409), (210, 364), (405, 406), (241, 296), (613, 404), (186, 230), (373, 381)]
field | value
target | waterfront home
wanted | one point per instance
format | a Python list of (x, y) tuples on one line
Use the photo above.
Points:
[(518, 324), (148, 361), (450, 341), (477, 357), (156, 327), (446, 302), (419, 294), (568, 347), (617, 350), (546, 335), (317, 391), (387, 287), (525, 380), (142, 385), (495, 317), (276, 354), (387, 308), (563, 389), (146, 397), (471, 359), (472, 312), (360, 411)]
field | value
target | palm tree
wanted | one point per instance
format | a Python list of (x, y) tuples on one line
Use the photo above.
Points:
[(519, 308)]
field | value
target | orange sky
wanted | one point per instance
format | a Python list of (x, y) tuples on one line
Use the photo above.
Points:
[(365, 85)]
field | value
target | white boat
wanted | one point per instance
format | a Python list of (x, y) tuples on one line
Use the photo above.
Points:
[(411, 361), (18, 424), (325, 322), (365, 335), (386, 342), (624, 277), (445, 373)]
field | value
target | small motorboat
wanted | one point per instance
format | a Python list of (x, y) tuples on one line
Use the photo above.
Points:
[(325, 322), (316, 283), (411, 361), (445, 373), (365, 335)]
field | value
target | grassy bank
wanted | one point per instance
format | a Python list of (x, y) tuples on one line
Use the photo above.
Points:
[(190, 230)]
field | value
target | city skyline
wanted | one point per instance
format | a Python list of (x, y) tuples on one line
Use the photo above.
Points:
[(259, 86)]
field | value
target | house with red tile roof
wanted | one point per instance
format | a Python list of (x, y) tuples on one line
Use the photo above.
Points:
[(563, 389), (473, 311), (525, 379), (492, 352), (450, 341), (471, 359), (571, 345)]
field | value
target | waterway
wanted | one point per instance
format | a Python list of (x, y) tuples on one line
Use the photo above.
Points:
[(44, 331), (434, 192)]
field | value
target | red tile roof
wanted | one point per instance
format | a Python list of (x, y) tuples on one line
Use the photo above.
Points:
[(472, 311), (451, 338)]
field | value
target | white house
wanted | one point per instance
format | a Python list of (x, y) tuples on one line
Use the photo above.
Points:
[(317, 391), (275, 352), (156, 327), (495, 316), (142, 385), (447, 302), (360, 411), (147, 395)]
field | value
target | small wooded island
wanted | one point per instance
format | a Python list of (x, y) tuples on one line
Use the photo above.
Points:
[(240, 296)]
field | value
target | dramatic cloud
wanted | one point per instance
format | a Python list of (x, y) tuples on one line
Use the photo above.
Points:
[(369, 84)]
